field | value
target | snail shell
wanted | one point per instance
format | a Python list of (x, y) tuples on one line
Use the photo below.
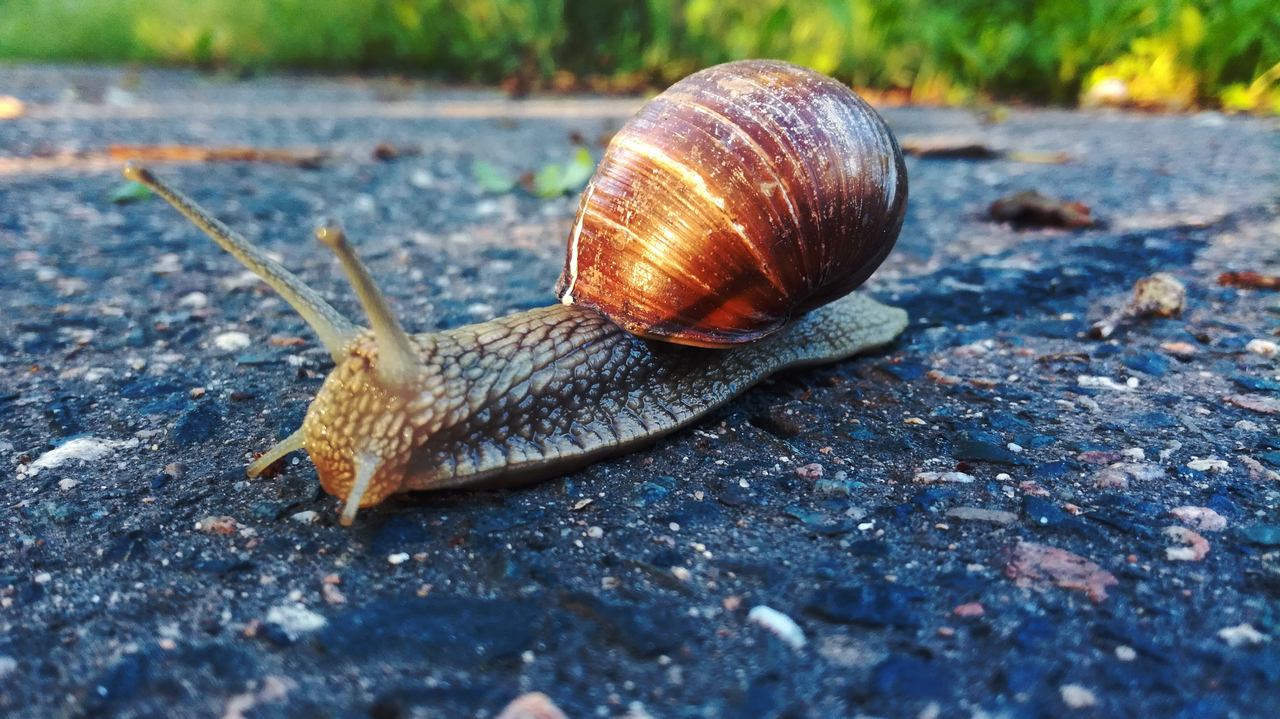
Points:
[(745, 193)]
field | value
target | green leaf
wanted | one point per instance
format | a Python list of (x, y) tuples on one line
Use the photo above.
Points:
[(549, 182), (490, 179), (130, 192), (577, 173)]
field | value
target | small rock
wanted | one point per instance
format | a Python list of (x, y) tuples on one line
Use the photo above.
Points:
[(534, 705), (1091, 382), (217, 525), (1200, 519), (1120, 474), (1262, 347), (931, 477), (1077, 697), (1242, 634), (332, 595), (809, 471), (198, 424), (1197, 547), (86, 449), (1256, 471), (780, 624), (1100, 456), (1030, 562), (398, 558), (295, 619), (306, 517), (972, 609), (1213, 465), (67, 484), (977, 514), (1160, 295), (232, 341), (8, 665)]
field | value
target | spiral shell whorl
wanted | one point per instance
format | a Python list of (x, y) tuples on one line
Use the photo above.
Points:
[(744, 193)]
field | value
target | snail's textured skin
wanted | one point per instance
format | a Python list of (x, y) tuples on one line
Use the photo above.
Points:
[(544, 392), (743, 194)]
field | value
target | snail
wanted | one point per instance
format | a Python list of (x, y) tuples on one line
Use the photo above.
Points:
[(717, 243)]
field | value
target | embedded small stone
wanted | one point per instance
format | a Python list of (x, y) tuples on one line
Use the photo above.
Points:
[(784, 627)]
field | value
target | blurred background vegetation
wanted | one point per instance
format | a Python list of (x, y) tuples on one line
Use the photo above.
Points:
[(1164, 54)]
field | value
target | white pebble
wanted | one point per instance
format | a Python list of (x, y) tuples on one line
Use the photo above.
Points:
[(1076, 696), (1213, 465), (1093, 382), (231, 341), (1131, 383), (87, 449), (295, 619), (1242, 634), (306, 517), (1126, 653), (1262, 347), (194, 300), (1134, 454), (1014, 447), (780, 624), (595, 532), (42, 578), (67, 484), (398, 558)]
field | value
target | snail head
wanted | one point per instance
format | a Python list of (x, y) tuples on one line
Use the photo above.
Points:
[(358, 430)]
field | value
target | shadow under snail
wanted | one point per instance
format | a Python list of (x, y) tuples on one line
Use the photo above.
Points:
[(717, 243)]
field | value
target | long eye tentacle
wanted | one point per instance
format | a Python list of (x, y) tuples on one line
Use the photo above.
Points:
[(396, 362), (334, 330)]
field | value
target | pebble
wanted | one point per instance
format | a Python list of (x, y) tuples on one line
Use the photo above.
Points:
[(398, 558), (1077, 697), (1126, 653), (595, 532), (1262, 347), (1242, 634), (809, 471), (306, 517), (972, 609), (977, 514), (957, 477), (86, 449), (8, 665), (198, 424), (1093, 382), (295, 619), (1120, 474), (534, 705), (1212, 465), (1030, 562), (1197, 547), (780, 624), (66, 484), (232, 341), (1201, 519)]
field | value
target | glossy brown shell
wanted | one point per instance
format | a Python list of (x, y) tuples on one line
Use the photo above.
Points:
[(745, 193)]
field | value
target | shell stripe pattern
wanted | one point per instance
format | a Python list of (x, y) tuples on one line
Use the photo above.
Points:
[(743, 194)]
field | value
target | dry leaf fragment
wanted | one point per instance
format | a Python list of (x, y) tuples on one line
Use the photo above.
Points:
[(1249, 280), (1254, 402), (1032, 209), (1030, 562)]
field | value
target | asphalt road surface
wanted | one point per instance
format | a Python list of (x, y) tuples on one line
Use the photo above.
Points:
[(1012, 518)]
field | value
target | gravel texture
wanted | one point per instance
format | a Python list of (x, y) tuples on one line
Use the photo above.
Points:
[(988, 530)]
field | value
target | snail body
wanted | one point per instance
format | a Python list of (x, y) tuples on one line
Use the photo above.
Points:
[(544, 392)]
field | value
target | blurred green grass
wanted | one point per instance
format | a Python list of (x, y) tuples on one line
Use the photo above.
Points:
[(1193, 51)]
